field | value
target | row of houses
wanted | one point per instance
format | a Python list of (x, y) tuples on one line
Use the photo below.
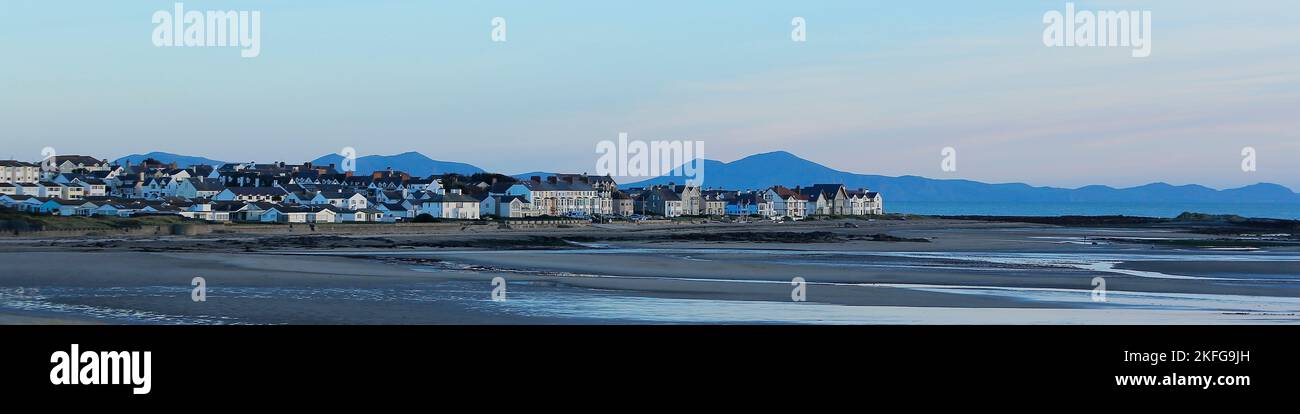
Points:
[(80, 185), (777, 201)]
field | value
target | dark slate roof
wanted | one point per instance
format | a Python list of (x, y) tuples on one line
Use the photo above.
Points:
[(77, 159), (257, 191), (452, 198)]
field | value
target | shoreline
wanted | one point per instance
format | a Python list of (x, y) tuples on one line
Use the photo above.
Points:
[(998, 272)]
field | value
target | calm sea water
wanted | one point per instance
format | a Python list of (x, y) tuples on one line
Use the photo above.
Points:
[(1263, 210)]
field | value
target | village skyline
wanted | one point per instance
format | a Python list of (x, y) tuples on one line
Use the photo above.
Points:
[(873, 87)]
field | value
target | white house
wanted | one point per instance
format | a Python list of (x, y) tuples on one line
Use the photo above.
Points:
[(57, 190), (347, 200), (72, 163), (284, 214), (396, 211), (12, 171), (785, 202), (199, 188), (862, 202), (454, 205), (554, 197), (92, 187), (507, 206)]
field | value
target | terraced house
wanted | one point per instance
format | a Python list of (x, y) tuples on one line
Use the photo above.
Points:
[(12, 171), (557, 198)]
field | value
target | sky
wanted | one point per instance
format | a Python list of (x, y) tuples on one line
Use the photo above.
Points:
[(878, 87)]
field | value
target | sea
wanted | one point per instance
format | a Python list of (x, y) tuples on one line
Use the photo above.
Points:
[(1258, 210)]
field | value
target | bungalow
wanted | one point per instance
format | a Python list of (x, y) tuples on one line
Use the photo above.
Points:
[(61, 207), (205, 210), (112, 209), (396, 211), (12, 200), (288, 214), (242, 211), (30, 204), (363, 215), (326, 214)]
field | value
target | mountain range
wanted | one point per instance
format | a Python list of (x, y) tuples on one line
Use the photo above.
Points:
[(783, 168), (181, 161), (411, 162)]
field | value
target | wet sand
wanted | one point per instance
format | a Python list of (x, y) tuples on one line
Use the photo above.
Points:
[(967, 273)]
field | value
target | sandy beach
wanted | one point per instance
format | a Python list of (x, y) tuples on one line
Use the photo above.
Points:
[(929, 271)]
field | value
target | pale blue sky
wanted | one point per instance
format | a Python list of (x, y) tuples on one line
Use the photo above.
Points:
[(879, 87)]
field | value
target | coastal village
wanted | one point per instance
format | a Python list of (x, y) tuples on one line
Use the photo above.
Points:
[(76, 185)]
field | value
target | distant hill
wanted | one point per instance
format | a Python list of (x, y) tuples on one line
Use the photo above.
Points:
[(181, 161), (413, 163), (783, 168)]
